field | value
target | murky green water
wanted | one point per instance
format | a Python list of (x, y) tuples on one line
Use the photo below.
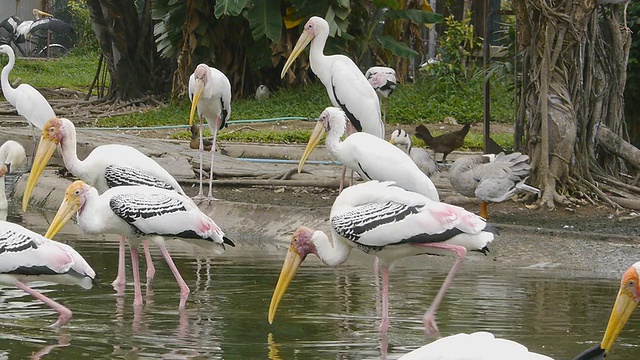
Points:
[(326, 314)]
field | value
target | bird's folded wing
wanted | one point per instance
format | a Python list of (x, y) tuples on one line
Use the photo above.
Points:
[(117, 175), (25, 252)]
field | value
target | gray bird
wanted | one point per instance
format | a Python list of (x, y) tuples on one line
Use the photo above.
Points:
[(491, 178), (262, 92)]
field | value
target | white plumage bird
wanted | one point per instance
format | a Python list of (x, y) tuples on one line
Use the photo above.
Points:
[(383, 80), (485, 346), (371, 157), (27, 256), (12, 157), (419, 156), (28, 101), (491, 178), (107, 166), (347, 87), (140, 211), (215, 106), (389, 222)]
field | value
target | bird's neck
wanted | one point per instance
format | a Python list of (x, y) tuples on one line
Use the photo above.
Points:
[(317, 57), (332, 252), (3, 196), (7, 90), (408, 146), (69, 152), (332, 140)]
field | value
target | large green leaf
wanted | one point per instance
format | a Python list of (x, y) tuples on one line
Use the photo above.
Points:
[(396, 47), (418, 17), (229, 7), (265, 20)]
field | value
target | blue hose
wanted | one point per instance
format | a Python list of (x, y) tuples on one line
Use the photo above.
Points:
[(231, 122)]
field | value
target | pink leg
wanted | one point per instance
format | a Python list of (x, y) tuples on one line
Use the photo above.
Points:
[(201, 149), (384, 322), (65, 314), (137, 291), (351, 179), (430, 327), (151, 270), (120, 281), (213, 153), (184, 289), (342, 176)]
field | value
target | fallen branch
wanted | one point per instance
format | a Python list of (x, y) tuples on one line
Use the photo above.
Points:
[(618, 146)]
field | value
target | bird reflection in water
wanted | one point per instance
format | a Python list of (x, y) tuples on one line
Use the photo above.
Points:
[(64, 340), (272, 345)]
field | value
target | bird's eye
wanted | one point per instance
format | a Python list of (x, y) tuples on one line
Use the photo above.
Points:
[(52, 129), (631, 283), (77, 192)]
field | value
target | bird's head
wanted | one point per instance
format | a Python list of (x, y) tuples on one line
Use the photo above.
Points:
[(39, 14), (6, 49), (302, 244), (200, 74), (74, 199), (12, 156), (330, 117), (53, 133), (627, 301), (312, 28)]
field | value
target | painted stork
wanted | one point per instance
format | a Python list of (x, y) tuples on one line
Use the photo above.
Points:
[(28, 101), (419, 156), (215, 106), (27, 256), (371, 157), (383, 80), (347, 87), (389, 222), (140, 211), (107, 166), (483, 345), (24, 27), (491, 178), (12, 156)]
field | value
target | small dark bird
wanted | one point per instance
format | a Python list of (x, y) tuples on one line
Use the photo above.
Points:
[(444, 143), (195, 141)]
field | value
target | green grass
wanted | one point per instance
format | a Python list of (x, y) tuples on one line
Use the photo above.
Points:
[(427, 100)]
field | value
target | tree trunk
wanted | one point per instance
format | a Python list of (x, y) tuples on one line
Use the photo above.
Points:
[(575, 79), (126, 41)]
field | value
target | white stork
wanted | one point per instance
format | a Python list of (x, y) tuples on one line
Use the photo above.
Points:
[(215, 106), (26, 256), (107, 166), (389, 222), (419, 156), (371, 157), (347, 87), (491, 178), (12, 156), (28, 101), (383, 80), (140, 211), (484, 346)]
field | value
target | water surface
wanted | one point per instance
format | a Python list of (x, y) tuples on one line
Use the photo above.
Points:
[(327, 313)]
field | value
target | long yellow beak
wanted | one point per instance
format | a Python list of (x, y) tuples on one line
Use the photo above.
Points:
[(315, 138), (622, 310), (392, 141), (302, 43), (196, 98), (289, 267), (65, 212), (41, 159), (40, 14)]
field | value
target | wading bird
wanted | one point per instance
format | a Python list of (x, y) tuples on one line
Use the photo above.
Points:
[(27, 256), (140, 211), (371, 157), (389, 222), (12, 157), (215, 106), (383, 80), (491, 178), (419, 156), (347, 87), (484, 346), (28, 101), (107, 166)]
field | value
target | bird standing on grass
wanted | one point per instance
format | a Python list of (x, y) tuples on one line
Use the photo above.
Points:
[(444, 143), (391, 223), (215, 106), (383, 80), (26, 256), (140, 211)]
